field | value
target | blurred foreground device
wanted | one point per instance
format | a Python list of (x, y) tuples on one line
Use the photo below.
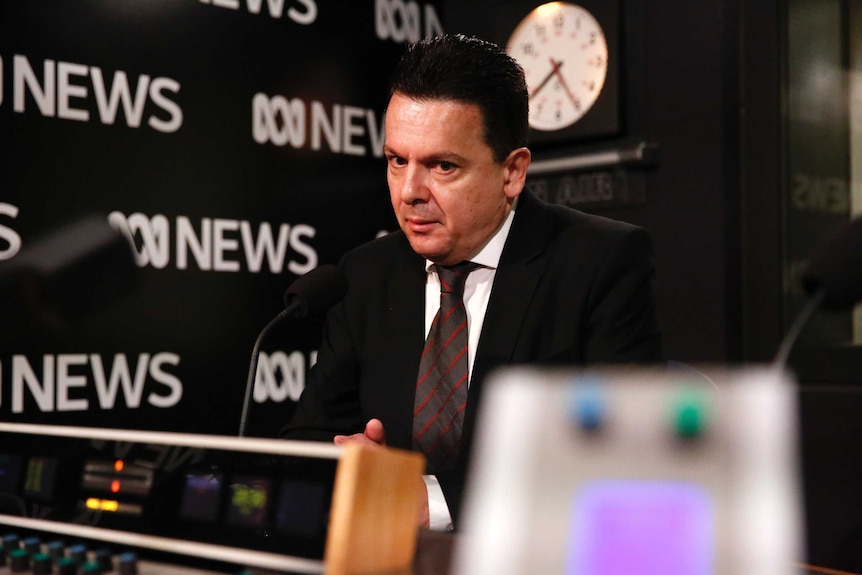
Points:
[(665, 472), (65, 274), (167, 503)]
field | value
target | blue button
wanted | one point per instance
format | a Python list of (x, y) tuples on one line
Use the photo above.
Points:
[(589, 410)]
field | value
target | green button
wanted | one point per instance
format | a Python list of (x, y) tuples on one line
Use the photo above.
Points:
[(690, 415)]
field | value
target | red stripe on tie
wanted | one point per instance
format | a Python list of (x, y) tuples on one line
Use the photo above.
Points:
[(446, 429)]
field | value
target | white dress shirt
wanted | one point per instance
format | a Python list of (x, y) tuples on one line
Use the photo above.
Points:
[(477, 292)]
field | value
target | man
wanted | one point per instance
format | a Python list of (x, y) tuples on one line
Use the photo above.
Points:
[(547, 284)]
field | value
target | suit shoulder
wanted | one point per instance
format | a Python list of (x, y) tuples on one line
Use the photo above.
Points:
[(568, 221), (378, 254)]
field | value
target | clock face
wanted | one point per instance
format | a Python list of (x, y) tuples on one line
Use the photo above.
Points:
[(563, 51)]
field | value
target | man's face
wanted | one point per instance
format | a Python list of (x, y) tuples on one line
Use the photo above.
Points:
[(448, 193)]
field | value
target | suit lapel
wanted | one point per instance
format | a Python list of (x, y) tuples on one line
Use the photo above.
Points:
[(405, 331), (521, 267), (519, 272)]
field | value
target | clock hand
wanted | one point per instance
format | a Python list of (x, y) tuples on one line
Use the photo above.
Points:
[(546, 79), (562, 80)]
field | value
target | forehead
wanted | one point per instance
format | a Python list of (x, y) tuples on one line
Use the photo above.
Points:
[(434, 125)]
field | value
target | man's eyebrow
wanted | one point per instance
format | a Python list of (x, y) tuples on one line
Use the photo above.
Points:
[(450, 157)]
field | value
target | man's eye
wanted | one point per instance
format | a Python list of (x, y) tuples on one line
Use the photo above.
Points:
[(396, 161), (446, 166)]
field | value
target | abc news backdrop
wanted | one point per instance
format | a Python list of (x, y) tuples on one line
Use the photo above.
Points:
[(237, 144)]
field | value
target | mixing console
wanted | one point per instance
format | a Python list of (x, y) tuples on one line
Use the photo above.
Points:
[(77, 501)]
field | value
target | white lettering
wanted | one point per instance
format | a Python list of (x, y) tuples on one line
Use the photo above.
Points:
[(321, 124), (186, 238), (266, 113), (154, 233), (274, 7), (399, 21), (24, 76), (106, 389), (65, 381), (221, 244), (22, 373), (120, 92), (307, 17), (170, 381), (299, 232), (169, 106), (376, 132), (264, 245), (815, 193), (283, 122), (351, 129), (62, 76), (65, 90), (7, 234), (269, 386), (66, 376), (216, 247)]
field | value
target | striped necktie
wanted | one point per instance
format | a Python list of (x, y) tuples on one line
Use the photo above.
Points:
[(441, 387)]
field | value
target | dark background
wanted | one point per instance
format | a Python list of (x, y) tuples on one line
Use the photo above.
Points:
[(703, 84)]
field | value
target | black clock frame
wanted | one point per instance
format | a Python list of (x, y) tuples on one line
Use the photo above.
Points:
[(604, 118)]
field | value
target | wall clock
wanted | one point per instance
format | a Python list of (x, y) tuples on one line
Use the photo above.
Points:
[(568, 53)]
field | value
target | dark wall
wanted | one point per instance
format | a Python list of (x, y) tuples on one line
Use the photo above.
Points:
[(678, 91), (238, 143)]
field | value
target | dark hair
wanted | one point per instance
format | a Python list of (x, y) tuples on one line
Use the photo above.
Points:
[(470, 70)]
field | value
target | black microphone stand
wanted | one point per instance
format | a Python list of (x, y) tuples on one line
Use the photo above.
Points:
[(800, 322), (296, 305)]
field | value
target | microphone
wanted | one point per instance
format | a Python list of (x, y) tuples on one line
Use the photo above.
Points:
[(832, 279), (312, 293), (835, 267), (64, 275)]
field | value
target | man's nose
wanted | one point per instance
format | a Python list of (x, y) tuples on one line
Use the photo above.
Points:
[(414, 187)]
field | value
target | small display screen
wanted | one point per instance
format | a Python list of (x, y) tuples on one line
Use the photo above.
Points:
[(41, 477), (301, 508), (10, 471), (220, 496), (248, 502), (201, 496), (641, 527)]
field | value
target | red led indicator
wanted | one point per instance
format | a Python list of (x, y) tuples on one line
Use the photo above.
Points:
[(115, 486), (118, 465)]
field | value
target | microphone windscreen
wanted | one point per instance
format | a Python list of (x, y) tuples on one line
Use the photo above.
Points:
[(317, 290), (836, 267)]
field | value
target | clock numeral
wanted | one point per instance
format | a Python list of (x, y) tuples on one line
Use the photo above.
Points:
[(541, 31), (559, 21), (543, 41)]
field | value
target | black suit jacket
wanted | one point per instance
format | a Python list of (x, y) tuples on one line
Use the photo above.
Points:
[(570, 289)]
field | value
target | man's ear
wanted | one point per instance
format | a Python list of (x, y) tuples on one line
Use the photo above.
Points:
[(515, 171)]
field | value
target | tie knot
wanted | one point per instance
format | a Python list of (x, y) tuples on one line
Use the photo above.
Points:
[(452, 278)]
